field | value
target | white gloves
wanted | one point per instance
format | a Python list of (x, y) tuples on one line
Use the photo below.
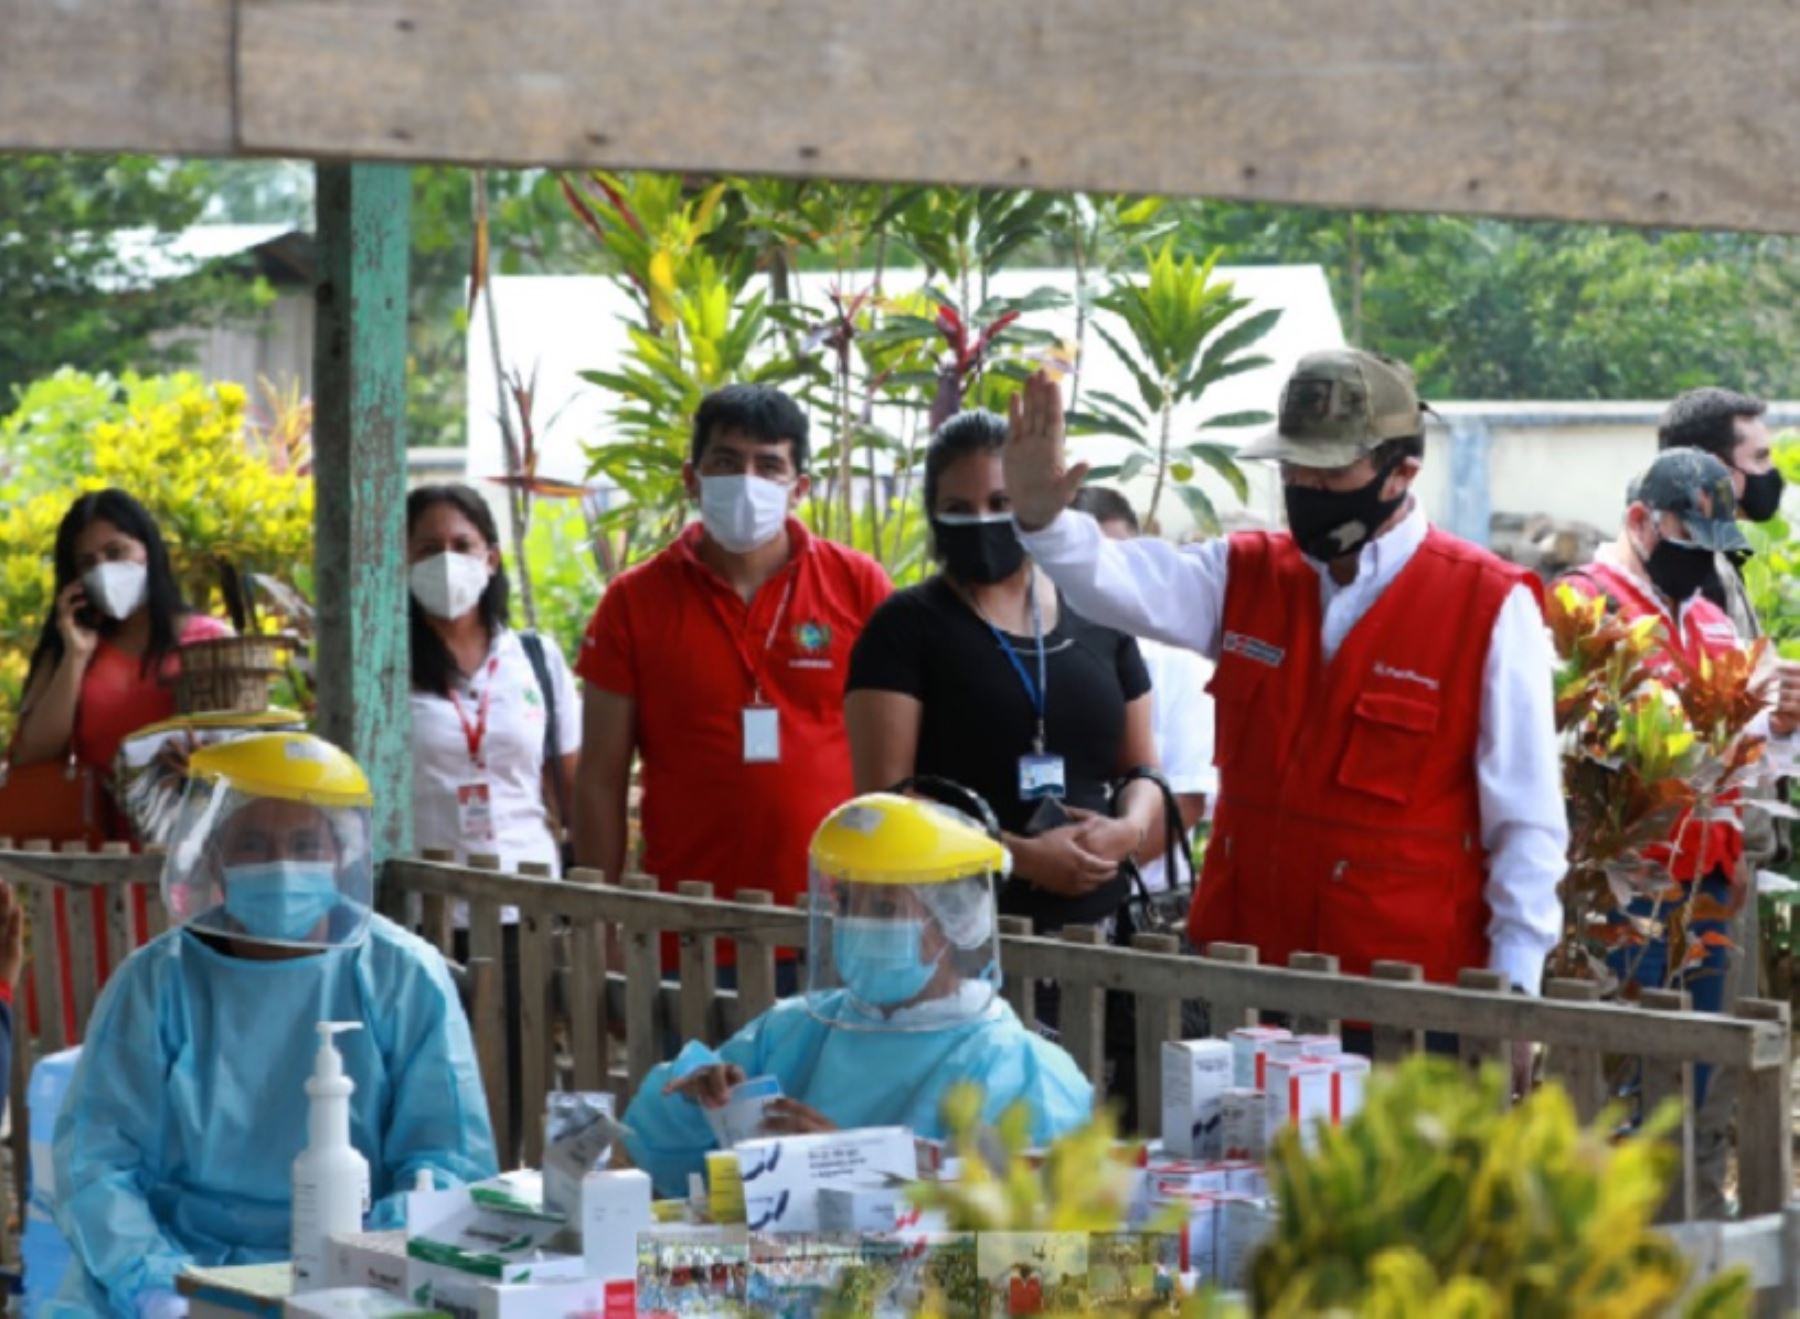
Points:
[(162, 1304)]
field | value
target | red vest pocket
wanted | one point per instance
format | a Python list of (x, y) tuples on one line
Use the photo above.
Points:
[(1388, 740)]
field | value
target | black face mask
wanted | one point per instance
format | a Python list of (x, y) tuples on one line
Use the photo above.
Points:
[(1329, 524), (1680, 570), (1761, 499), (978, 553)]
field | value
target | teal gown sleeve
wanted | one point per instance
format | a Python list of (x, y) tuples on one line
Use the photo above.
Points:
[(440, 1121), (105, 1138), (668, 1136)]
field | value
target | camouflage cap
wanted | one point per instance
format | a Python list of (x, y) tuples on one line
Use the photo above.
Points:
[(1696, 487), (1338, 406)]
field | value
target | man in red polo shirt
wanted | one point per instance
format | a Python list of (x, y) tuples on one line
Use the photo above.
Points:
[(720, 664)]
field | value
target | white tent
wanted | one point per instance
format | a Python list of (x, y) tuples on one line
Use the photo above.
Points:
[(558, 326)]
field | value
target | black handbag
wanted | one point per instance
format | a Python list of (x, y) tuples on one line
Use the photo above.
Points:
[(1166, 912)]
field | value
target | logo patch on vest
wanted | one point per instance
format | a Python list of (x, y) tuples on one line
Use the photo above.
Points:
[(1404, 675), (1253, 648)]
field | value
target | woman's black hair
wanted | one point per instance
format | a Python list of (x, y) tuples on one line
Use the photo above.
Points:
[(432, 667), (974, 431), (162, 594)]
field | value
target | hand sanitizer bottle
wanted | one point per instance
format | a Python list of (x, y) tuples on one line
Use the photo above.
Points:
[(331, 1180)]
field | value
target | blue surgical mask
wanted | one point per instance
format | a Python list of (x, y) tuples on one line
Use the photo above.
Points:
[(878, 960), (282, 900)]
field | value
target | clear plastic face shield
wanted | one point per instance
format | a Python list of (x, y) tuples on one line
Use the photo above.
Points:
[(902, 956), (269, 870)]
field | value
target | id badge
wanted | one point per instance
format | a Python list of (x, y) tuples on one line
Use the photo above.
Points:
[(762, 735), (475, 813), (1041, 776)]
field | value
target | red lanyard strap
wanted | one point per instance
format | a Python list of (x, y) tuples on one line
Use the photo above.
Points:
[(753, 666), (476, 733)]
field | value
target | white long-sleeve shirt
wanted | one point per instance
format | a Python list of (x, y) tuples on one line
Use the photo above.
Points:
[(1150, 588)]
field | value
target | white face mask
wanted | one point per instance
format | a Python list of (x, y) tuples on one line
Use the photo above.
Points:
[(449, 585), (743, 512), (116, 589)]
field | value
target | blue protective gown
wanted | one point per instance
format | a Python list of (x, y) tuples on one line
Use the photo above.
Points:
[(862, 1078), (177, 1141)]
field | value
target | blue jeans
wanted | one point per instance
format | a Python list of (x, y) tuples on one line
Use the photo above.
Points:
[(1647, 965)]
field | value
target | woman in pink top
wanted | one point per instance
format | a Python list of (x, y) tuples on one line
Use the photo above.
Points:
[(105, 666)]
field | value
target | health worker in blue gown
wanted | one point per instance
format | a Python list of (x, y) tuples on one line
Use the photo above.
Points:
[(902, 1001), (176, 1142)]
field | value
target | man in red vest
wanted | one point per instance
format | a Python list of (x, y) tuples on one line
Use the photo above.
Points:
[(1390, 786), (1680, 520)]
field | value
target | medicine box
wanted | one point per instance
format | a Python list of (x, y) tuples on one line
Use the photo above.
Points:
[(357, 1303), (1195, 1074), (783, 1175), (367, 1259), (1300, 1095), (1249, 1049)]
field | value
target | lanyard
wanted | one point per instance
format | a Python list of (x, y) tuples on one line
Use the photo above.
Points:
[(476, 733), (754, 666), (1038, 692)]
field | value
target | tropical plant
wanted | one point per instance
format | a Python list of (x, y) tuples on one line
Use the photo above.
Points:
[(1186, 335), (1103, 232), (1437, 1199), (185, 450), (1642, 758)]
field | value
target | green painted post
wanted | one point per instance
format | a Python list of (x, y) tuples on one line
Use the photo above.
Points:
[(359, 476)]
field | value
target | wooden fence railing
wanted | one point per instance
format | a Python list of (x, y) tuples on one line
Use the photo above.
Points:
[(567, 956)]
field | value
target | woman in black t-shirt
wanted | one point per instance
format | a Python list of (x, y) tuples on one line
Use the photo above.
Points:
[(945, 680)]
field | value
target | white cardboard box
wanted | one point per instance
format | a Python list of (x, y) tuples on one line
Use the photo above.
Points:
[(367, 1259), (615, 1207), (1300, 1094), (783, 1175), (1249, 1048), (1244, 1124), (356, 1303), (1195, 1074), (465, 1296), (861, 1210)]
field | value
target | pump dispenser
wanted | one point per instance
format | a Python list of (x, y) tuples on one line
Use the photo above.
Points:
[(331, 1180)]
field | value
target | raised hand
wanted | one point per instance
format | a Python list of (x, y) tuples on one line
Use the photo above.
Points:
[(1037, 482)]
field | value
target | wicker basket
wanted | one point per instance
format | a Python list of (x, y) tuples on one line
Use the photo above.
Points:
[(228, 674)]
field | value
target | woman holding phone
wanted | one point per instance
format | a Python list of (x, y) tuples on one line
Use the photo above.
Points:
[(104, 666)]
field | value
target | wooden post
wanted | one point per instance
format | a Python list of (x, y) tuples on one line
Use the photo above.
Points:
[(1082, 1018), (1392, 1043), (1021, 990), (1580, 1070), (1325, 964), (359, 478), (699, 972), (1158, 1019), (755, 965), (643, 985), (1666, 1079), (1475, 1051), (1765, 1119), (587, 994), (492, 1027), (1227, 1014)]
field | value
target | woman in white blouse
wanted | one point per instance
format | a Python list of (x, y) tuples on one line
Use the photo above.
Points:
[(490, 762), (496, 722)]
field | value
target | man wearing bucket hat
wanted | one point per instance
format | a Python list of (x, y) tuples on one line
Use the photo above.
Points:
[(1681, 517), (1389, 778), (175, 1144)]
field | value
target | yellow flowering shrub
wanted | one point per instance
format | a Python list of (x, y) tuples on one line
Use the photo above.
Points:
[(188, 455)]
